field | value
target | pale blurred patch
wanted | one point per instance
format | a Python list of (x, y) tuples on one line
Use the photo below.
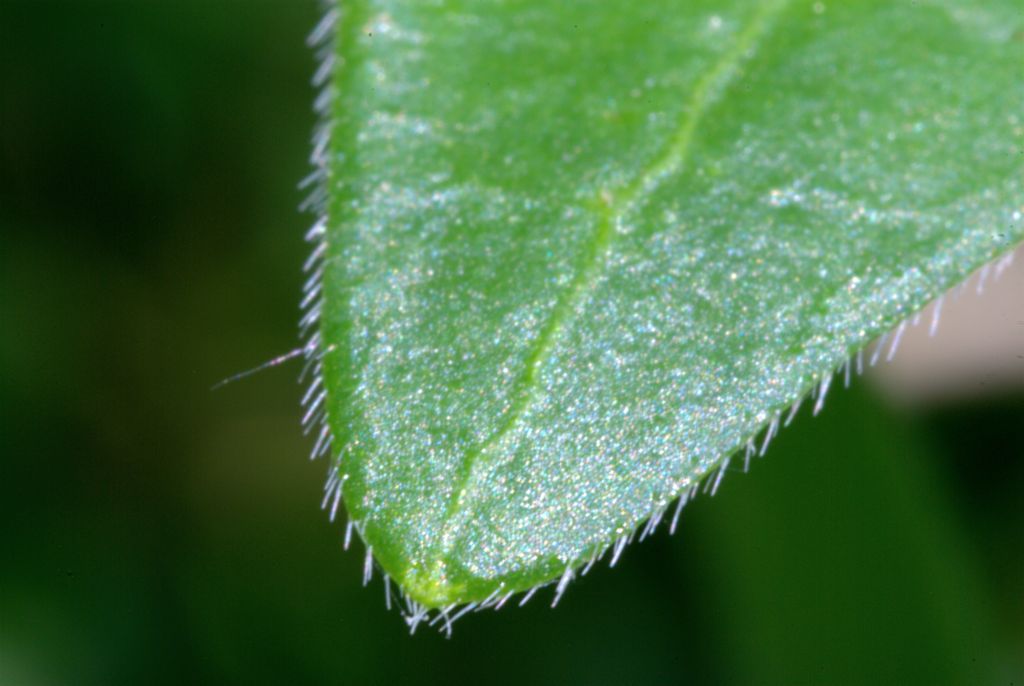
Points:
[(977, 349)]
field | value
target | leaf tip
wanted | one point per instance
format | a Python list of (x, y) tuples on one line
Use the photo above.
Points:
[(431, 587)]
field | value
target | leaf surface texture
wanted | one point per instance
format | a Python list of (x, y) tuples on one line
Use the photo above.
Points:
[(578, 254)]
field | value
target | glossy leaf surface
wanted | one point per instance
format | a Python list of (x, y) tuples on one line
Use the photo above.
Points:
[(578, 254)]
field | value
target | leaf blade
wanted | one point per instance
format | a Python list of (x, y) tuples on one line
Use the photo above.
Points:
[(549, 309)]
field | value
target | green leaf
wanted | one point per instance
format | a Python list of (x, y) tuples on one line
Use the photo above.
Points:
[(578, 254)]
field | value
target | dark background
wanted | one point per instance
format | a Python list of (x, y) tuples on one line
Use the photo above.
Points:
[(153, 531)]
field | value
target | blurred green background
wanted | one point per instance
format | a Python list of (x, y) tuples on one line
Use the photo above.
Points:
[(154, 531)]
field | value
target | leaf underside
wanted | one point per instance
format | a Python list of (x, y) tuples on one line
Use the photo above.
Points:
[(576, 255)]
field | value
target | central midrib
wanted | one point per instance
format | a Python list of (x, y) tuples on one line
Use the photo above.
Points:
[(611, 209)]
